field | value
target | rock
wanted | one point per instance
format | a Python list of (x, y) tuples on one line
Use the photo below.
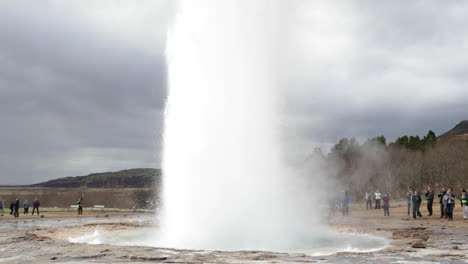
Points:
[(418, 245), (455, 247), (53, 258), (42, 216), (106, 216), (149, 258), (424, 237)]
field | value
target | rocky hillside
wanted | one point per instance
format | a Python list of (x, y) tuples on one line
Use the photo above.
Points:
[(460, 131), (132, 178)]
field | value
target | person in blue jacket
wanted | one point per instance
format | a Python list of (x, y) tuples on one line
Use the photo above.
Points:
[(26, 207)]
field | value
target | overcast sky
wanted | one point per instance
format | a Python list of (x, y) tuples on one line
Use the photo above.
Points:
[(82, 83)]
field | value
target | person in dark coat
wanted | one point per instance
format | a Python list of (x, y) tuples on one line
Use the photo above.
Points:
[(16, 207), (386, 204), (441, 201), (36, 205), (430, 200), (415, 204), (12, 207), (80, 205)]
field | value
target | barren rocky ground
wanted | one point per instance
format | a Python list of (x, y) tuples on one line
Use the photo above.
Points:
[(45, 240)]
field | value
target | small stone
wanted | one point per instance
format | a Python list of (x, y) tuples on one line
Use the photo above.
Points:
[(455, 247), (42, 216), (53, 258), (418, 245), (106, 216)]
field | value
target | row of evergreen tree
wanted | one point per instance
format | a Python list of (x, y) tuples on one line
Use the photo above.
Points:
[(415, 143)]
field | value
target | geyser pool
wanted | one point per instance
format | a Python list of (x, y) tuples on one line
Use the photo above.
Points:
[(334, 243)]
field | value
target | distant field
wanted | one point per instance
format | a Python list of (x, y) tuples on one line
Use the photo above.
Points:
[(121, 198)]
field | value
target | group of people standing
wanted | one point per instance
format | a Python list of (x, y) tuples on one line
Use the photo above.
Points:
[(378, 198), (15, 207), (447, 201)]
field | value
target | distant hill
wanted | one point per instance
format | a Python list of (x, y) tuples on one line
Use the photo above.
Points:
[(460, 131), (132, 178)]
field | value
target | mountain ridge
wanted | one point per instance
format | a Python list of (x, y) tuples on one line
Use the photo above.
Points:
[(130, 178), (459, 131)]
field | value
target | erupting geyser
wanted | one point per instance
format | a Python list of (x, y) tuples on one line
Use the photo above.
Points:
[(225, 183)]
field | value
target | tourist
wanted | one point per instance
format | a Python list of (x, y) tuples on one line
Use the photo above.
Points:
[(16, 207), (377, 197), (464, 204), (36, 205), (26, 207), (12, 207), (430, 199), (386, 204), (408, 200), (441, 198), (345, 203), (368, 197), (415, 204), (2, 204), (449, 204), (80, 206)]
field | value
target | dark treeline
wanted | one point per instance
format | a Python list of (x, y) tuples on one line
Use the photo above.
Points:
[(411, 162)]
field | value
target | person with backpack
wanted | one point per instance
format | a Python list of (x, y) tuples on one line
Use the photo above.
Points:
[(415, 204)]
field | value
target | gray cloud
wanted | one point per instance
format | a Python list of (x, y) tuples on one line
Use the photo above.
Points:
[(82, 84), (72, 93), (381, 67)]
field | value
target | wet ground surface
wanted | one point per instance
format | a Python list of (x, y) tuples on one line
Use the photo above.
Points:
[(16, 224), (426, 240)]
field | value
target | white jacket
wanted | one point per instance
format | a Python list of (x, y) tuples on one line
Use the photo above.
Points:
[(377, 195)]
